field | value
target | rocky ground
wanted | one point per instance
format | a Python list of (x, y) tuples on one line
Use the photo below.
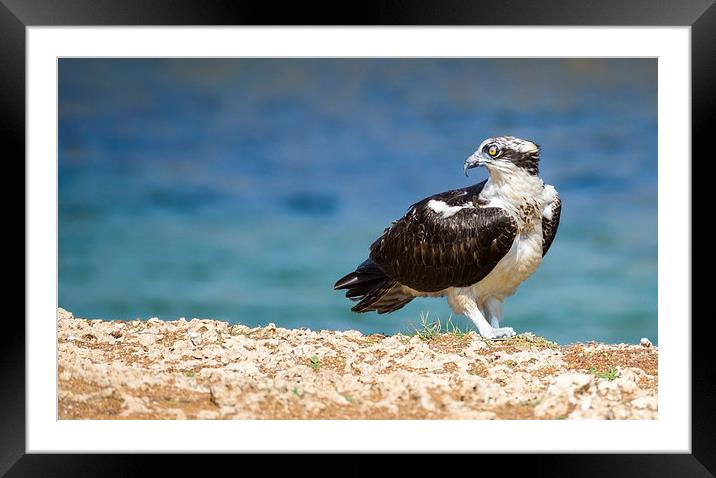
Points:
[(204, 369)]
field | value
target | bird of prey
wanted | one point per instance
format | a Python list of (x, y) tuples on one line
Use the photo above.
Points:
[(474, 245)]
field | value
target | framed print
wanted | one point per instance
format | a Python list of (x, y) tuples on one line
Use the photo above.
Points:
[(251, 231)]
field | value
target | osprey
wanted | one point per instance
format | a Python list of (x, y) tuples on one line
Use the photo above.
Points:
[(474, 245)]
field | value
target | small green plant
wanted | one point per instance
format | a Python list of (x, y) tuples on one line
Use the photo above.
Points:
[(429, 330), (189, 374), (348, 398), (529, 341), (404, 339), (454, 329), (610, 374), (296, 391), (315, 362)]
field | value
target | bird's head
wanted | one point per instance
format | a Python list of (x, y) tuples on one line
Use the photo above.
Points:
[(505, 155)]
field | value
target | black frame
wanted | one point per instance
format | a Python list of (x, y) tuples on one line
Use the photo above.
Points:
[(15, 15)]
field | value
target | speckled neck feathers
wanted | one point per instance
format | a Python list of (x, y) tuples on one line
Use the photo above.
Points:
[(518, 192)]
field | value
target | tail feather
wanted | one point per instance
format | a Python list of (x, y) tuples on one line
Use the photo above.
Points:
[(359, 290), (369, 285), (367, 271)]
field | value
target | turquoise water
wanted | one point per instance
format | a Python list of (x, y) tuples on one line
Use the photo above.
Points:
[(240, 190)]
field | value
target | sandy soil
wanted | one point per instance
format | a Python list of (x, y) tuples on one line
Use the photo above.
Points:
[(204, 369)]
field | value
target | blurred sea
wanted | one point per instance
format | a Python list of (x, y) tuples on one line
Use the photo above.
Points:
[(241, 189)]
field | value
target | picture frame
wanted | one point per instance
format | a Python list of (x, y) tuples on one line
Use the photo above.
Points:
[(700, 15)]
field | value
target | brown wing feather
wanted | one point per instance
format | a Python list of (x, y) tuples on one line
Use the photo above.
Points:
[(549, 227), (429, 253)]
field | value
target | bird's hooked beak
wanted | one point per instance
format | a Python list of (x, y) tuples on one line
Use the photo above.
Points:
[(475, 160)]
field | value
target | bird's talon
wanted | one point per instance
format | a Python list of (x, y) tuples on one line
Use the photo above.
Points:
[(504, 332), (488, 335)]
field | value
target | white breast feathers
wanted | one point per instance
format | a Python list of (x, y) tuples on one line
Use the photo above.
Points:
[(550, 193)]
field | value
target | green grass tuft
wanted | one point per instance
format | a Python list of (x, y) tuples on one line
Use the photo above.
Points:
[(610, 374), (529, 341), (315, 362), (429, 330)]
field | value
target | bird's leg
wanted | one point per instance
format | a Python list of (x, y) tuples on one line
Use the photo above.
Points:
[(462, 302), (473, 313), (493, 307)]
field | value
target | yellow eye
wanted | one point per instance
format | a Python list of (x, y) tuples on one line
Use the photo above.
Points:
[(493, 150)]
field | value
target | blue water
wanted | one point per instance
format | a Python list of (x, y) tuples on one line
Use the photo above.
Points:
[(240, 190)]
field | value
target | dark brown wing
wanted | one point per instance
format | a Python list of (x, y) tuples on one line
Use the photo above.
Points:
[(454, 197), (549, 226), (428, 252)]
